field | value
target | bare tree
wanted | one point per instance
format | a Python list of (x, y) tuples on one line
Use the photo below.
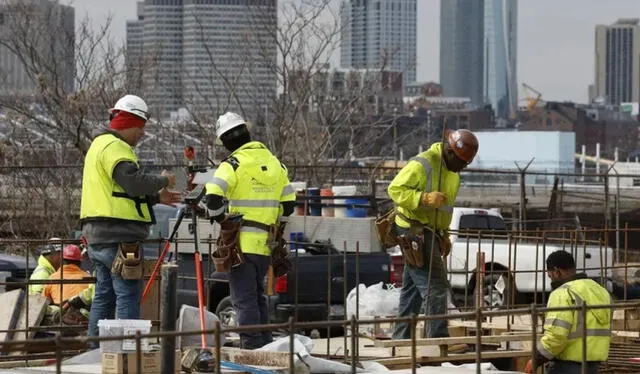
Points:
[(68, 76)]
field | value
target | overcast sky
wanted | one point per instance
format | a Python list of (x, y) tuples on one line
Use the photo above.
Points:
[(555, 38)]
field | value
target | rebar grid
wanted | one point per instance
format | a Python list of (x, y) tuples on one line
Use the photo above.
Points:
[(291, 327)]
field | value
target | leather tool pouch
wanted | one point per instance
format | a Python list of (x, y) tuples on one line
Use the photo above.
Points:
[(385, 228), (128, 261), (412, 249), (279, 251), (228, 253)]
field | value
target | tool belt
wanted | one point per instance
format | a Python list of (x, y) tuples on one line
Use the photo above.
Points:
[(384, 228), (128, 261), (412, 247), (228, 253), (279, 251)]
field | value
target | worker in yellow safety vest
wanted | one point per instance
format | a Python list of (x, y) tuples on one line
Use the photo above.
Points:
[(256, 185), (48, 263), (424, 192), (562, 340), (116, 211)]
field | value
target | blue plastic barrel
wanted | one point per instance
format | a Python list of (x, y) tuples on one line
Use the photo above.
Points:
[(353, 211), (315, 209)]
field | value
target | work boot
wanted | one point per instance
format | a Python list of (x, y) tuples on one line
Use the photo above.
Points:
[(458, 348)]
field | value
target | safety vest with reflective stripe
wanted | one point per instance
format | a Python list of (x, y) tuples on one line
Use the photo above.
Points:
[(425, 172), (102, 197), (255, 183), (562, 338)]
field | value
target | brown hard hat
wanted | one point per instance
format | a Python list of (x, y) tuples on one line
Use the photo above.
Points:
[(463, 143)]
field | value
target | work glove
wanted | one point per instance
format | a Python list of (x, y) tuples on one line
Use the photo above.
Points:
[(445, 244), (529, 366), (433, 199), (76, 302)]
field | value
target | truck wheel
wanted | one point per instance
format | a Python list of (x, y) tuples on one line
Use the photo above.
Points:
[(226, 313), (498, 291)]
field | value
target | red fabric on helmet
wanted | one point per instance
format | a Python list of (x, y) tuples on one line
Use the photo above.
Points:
[(72, 253), (125, 120)]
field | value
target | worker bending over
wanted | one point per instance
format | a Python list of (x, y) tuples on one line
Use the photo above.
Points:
[(70, 269), (562, 339)]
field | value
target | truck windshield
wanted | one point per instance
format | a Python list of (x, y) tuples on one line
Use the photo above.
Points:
[(470, 224)]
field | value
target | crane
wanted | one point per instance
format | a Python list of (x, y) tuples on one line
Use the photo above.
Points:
[(532, 101)]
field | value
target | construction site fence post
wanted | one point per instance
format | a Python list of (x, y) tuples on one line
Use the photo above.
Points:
[(168, 316)]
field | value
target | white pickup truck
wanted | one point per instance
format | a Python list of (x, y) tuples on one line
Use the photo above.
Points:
[(514, 265)]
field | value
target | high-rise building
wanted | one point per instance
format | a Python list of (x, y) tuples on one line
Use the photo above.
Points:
[(462, 49), (478, 49), (617, 68), (379, 34), (500, 47), (44, 33), (208, 56)]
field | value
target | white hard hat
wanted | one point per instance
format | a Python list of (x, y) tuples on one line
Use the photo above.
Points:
[(132, 104), (229, 121)]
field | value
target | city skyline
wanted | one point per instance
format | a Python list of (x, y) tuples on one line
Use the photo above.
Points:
[(380, 35), (555, 39), (197, 62)]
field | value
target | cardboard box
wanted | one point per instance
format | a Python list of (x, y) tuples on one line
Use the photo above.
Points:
[(125, 363)]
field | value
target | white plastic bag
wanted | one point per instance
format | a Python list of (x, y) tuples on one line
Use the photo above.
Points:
[(374, 301)]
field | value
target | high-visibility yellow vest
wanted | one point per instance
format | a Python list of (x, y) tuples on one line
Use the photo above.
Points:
[(42, 272), (102, 197), (563, 333), (255, 183), (425, 172)]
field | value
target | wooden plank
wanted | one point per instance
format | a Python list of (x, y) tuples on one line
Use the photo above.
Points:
[(454, 357), (492, 325), (453, 340), (10, 306)]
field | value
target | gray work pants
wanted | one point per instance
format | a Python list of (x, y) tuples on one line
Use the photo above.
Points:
[(246, 282)]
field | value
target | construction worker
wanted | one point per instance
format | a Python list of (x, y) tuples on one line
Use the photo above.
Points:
[(257, 186), (116, 211), (48, 262), (561, 342), (424, 192), (71, 259)]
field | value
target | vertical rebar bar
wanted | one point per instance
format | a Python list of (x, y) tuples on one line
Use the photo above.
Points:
[(535, 272), (292, 369), (139, 353), (168, 314), (344, 291), (354, 348), (413, 327), (534, 338), (218, 341), (583, 313), (357, 333), (626, 259), (329, 264), (478, 340), (544, 266), (58, 354)]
